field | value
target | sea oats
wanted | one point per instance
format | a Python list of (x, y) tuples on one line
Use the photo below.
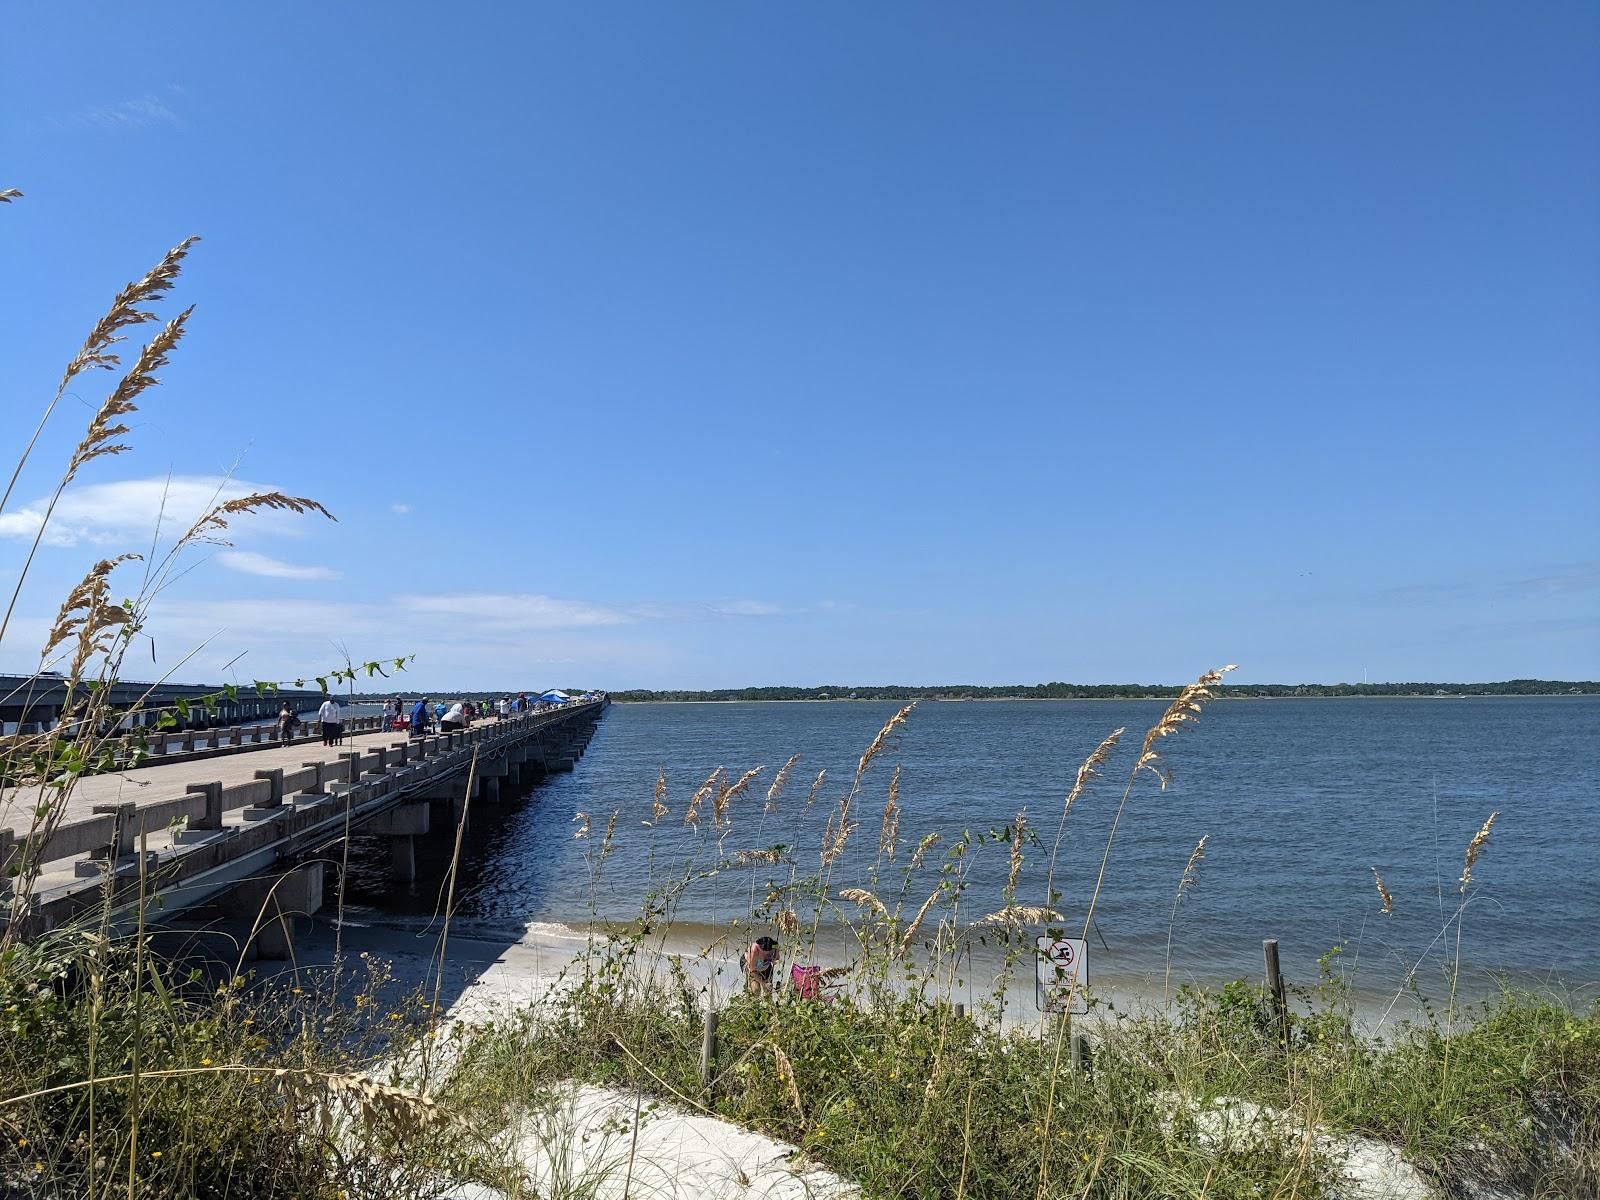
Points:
[(209, 528), (878, 742), (889, 826), (1089, 769), (1019, 833), (916, 921), (778, 780), (1475, 848), (864, 899), (96, 351), (100, 437), (659, 808), (1191, 870), (727, 794), (1383, 894), (927, 843), (816, 786), (1182, 711), (691, 815), (1018, 916)]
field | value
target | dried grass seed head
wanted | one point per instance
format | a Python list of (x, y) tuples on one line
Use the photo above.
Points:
[(778, 780), (864, 899), (1475, 848), (96, 352), (1191, 869), (1184, 710), (214, 523), (1089, 769), (928, 842), (1383, 894), (878, 743)]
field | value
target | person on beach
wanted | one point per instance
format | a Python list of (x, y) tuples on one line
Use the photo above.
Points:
[(419, 718), (287, 721), (331, 720), (759, 963)]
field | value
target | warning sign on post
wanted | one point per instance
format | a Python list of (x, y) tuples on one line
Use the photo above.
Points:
[(1062, 975)]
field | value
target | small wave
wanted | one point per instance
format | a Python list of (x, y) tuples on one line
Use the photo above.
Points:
[(553, 929)]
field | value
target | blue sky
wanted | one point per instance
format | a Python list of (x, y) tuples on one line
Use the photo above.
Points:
[(712, 344)]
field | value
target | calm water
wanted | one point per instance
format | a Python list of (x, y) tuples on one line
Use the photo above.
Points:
[(1301, 798)]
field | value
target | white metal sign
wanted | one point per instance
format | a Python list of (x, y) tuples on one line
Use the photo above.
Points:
[(1062, 975)]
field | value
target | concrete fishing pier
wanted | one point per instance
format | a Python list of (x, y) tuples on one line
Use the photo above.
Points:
[(247, 826)]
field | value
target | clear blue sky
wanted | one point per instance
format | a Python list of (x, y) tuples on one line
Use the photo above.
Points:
[(713, 344)]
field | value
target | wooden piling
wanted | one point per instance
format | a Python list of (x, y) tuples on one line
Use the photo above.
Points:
[(1274, 979), (708, 1049)]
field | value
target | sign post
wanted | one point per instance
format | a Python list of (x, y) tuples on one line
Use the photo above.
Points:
[(1062, 975)]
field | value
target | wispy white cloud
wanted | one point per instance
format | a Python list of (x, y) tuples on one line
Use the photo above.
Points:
[(400, 509), (135, 112), (747, 608), (252, 563), (509, 611), (127, 512)]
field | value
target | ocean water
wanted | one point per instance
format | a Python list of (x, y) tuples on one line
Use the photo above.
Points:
[(1299, 799)]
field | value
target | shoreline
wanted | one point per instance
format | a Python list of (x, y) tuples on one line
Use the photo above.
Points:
[(509, 970), (1120, 699)]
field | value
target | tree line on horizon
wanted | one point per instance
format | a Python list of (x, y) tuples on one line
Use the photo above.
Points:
[(1105, 691)]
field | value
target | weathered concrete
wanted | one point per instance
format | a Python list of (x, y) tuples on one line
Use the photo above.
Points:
[(207, 837), (271, 904)]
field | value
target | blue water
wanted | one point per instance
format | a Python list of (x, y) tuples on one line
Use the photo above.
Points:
[(1300, 799)]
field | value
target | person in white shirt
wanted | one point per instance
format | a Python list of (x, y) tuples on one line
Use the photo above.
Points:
[(332, 721), (503, 707), (454, 719)]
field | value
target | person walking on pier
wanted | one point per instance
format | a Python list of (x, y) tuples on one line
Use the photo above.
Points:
[(391, 710), (331, 720), (287, 720), (419, 718)]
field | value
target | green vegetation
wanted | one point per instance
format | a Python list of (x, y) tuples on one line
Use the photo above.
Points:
[(898, 1093), (1108, 691), (125, 1072)]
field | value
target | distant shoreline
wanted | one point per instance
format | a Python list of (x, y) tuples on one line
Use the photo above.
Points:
[(1099, 699), (959, 694)]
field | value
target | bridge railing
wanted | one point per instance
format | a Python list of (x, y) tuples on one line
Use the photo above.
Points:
[(115, 828)]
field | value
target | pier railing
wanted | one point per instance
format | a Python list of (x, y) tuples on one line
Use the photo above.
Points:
[(358, 776)]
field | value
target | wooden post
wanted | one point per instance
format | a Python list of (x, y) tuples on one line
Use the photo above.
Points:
[(1080, 1054), (1269, 950), (961, 1011), (708, 1050)]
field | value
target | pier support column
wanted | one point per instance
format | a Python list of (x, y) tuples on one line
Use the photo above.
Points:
[(271, 905), (403, 859)]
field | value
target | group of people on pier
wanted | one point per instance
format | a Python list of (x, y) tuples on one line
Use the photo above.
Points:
[(424, 717)]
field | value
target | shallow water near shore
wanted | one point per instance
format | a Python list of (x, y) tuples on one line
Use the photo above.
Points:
[(1300, 799)]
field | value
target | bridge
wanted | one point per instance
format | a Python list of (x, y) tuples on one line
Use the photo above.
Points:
[(34, 702), (249, 825)]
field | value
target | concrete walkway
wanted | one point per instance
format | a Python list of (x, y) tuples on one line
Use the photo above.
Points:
[(164, 781)]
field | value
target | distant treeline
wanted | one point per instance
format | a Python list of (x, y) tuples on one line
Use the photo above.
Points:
[(1113, 691)]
